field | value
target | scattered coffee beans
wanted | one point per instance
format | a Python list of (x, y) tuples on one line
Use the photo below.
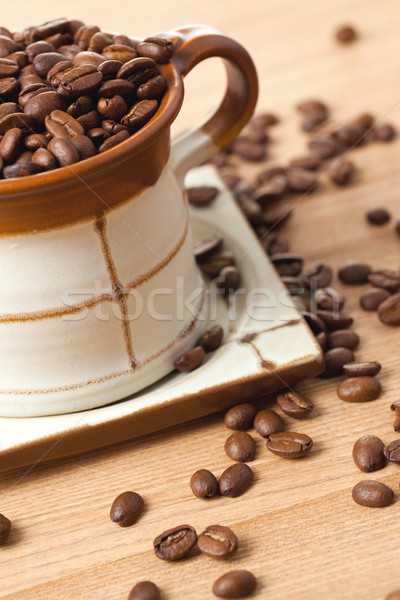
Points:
[(343, 172), (334, 361), (206, 248), (211, 339), (235, 480), (317, 275), (202, 195), (346, 34), (343, 338), (359, 389), (267, 422), (240, 446), (126, 509), (372, 493), (358, 368), (370, 299), (378, 216), (389, 310), (5, 528), (175, 543), (235, 584), (217, 542), (368, 453), (384, 132), (329, 299), (289, 444), (387, 279), (294, 404), (392, 451), (396, 424), (203, 484), (190, 360), (145, 590), (354, 273), (240, 417)]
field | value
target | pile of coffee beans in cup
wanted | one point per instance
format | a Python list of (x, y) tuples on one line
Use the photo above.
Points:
[(70, 91)]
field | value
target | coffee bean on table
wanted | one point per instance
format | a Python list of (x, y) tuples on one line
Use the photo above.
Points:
[(335, 321), (175, 543), (378, 216), (251, 151), (358, 368), (203, 484), (145, 590), (396, 408), (351, 135), (240, 446), (354, 273), (235, 480), (317, 275), (370, 299), (343, 338), (287, 264), (392, 451), (315, 323), (5, 528), (207, 247), (384, 132), (329, 299), (190, 360), (300, 180), (346, 34), (334, 361), (213, 265), (368, 453), (289, 444), (387, 279), (267, 422), (240, 417), (324, 145), (202, 195), (310, 161), (229, 279), (217, 542), (372, 493), (126, 509), (343, 172), (389, 310), (235, 584), (294, 404), (359, 389), (211, 339)]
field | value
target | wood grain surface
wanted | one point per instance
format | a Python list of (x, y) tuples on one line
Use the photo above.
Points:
[(299, 530)]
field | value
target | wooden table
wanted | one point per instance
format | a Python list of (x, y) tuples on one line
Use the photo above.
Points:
[(300, 531)]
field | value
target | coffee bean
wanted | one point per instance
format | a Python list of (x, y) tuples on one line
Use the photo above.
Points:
[(84, 34), (387, 279), (175, 543), (80, 106), (264, 120), (5, 528), (24, 157), (79, 81), (354, 273), (119, 52), (300, 180), (98, 42), (40, 106), (346, 34), (217, 542), (359, 389), (267, 422), (84, 145), (392, 451), (126, 509), (203, 484), (397, 228), (322, 339), (21, 170), (32, 50), (334, 361), (8, 67), (393, 595), (378, 216), (112, 108), (287, 264), (343, 172), (91, 120), (271, 191), (370, 299), (56, 73), (113, 141), (151, 89), (396, 408), (9, 86), (138, 71), (335, 321), (389, 310), (145, 590), (313, 119), (274, 243), (140, 114), (240, 446), (312, 105), (251, 209), (44, 62), (343, 338), (268, 173), (35, 141), (229, 279), (157, 48), (253, 134), (317, 275), (206, 248), (114, 87), (372, 493), (294, 404), (240, 417), (384, 132), (8, 108), (351, 135), (358, 368), (368, 453), (44, 158), (289, 444), (251, 151), (9, 145), (329, 299), (190, 360), (7, 46), (310, 161), (294, 285), (235, 584), (324, 145), (211, 339), (364, 120), (202, 195), (235, 480), (109, 68), (60, 124), (315, 323), (64, 151)]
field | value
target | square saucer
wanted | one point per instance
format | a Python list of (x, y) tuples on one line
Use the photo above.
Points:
[(267, 345)]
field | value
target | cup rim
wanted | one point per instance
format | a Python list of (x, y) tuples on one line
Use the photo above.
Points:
[(166, 113)]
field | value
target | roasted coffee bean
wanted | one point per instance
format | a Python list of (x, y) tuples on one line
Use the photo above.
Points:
[(235, 480), (39, 107), (203, 484), (229, 279), (392, 451), (123, 40), (343, 172), (370, 299), (80, 106), (396, 408), (351, 135), (21, 170), (334, 361), (397, 228), (384, 132), (229, 177), (9, 86), (87, 58), (293, 284), (359, 389), (5, 528), (115, 87), (389, 310), (90, 120), (190, 360), (84, 34), (69, 51), (254, 134), (251, 209), (335, 321), (211, 339), (56, 73), (313, 119), (60, 124), (64, 151), (300, 180), (24, 157), (138, 71), (358, 368), (7, 46), (175, 543), (271, 191), (44, 62), (329, 299), (315, 323), (317, 275), (8, 68), (294, 404), (387, 279), (119, 52), (287, 264), (84, 145), (322, 339), (19, 58), (80, 81), (372, 493), (217, 542), (378, 216), (140, 114), (126, 509), (44, 158), (346, 34), (393, 595), (268, 173), (112, 108), (52, 27), (268, 421), (99, 41), (8, 108), (289, 444), (274, 243), (354, 273), (368, 453), (202, 195), (145, 590), (35, 141), (240, 446), (240, 417), (310, 162), (40, 47), (250, 151), (9, 145), (264, 120), (276, 213), (157, 48), (324, 145), (109, 68), (343, 338), (112, 127), (235, 584), (364, 120), (306, 106), (206, 248), (111, 142), (59, 39)]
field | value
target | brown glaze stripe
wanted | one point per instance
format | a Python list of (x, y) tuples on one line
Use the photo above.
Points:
[(118, 290), (75, 386)]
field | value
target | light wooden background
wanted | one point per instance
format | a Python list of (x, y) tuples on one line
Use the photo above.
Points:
[(299, 530)]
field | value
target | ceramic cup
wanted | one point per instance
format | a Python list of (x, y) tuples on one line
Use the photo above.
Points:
[(99, 289)]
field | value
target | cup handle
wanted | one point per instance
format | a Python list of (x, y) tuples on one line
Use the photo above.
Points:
[(193, 44)]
